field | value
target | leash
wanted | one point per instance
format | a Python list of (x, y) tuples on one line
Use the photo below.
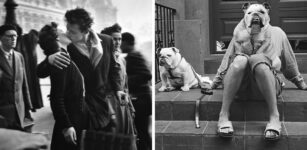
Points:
[(205, 90)]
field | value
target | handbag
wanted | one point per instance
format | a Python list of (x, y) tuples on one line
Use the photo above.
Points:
[(101, 140)]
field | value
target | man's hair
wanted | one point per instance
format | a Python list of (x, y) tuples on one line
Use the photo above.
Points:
[(80, 17), (47, 37), (128, 38), (7, 27), (112, 29)]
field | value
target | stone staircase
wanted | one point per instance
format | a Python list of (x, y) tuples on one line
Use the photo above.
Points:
[(175, 126)]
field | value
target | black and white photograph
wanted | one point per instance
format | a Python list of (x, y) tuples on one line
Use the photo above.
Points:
[(230, 74), (153, 74), (76, 74)]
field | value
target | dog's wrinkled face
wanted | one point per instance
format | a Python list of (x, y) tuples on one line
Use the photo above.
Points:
[(256, 15), (167, 55)]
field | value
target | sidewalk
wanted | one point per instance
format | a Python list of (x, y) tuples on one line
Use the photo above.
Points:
[(43, 117)]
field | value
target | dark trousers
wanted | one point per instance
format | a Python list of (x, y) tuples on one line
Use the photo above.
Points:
[(142, 105)]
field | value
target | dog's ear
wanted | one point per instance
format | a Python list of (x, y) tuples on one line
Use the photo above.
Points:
[(266, 6), (158, 51), (176, 50), (245, 6)]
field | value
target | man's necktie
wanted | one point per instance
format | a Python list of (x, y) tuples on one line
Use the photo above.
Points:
[(10, 59)]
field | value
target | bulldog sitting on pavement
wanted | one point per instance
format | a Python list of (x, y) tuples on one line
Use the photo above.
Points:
[(176, 72)]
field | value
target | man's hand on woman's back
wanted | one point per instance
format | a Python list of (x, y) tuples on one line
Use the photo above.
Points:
[(60, 60)]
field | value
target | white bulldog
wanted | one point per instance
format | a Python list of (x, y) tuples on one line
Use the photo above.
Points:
[(176, 72)]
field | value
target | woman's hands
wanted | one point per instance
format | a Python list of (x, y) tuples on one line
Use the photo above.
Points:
[(70, 135), (122, 97)]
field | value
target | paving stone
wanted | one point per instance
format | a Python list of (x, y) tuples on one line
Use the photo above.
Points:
[(158, 147), (217, 143), (295, 111), (258, 111), (166, 96), (296, 128), (183, 110), (212, 110), (182, 139), (182, 147), (217, 95), (294, 95), (297, 142), (164, 110), (258, 143), (191, 95), (237, 111), (160, 126), (185, 127), (158, 139)]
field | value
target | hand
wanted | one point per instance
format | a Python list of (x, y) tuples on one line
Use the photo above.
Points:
[(60, 60), (70, 135), (122, 97)]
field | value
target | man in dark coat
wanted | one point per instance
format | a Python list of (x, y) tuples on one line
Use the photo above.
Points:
[(27, 47), (139, 77), (14, 93)]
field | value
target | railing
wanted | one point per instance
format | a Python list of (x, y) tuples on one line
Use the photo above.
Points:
[(164, 32)]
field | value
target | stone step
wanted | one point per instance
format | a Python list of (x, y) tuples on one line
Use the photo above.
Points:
[(179, 105), (182, 135)]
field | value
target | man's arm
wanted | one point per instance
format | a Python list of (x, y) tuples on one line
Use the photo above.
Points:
[(60, 60), (43, 69)]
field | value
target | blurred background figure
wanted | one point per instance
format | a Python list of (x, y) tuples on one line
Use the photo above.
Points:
[(124, 112), (139, 79)]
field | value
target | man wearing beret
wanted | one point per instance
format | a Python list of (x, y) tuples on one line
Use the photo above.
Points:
[(14, 92)]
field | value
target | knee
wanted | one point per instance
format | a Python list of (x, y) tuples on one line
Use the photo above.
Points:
[(239, 63), (261, 69)]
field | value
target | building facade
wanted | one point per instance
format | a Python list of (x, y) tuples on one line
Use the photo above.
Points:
[(34, 14)]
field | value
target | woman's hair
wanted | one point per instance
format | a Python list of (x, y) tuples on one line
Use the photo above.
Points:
[(48, 38), (114, 28), (80, 17)]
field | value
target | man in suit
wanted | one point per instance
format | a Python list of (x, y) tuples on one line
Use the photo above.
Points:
[(14, 92)]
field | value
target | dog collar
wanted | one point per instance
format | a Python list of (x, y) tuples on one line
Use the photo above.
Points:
[(170, 70), (177, 64)]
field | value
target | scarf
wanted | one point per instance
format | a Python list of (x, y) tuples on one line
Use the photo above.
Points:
[(92, 49)]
